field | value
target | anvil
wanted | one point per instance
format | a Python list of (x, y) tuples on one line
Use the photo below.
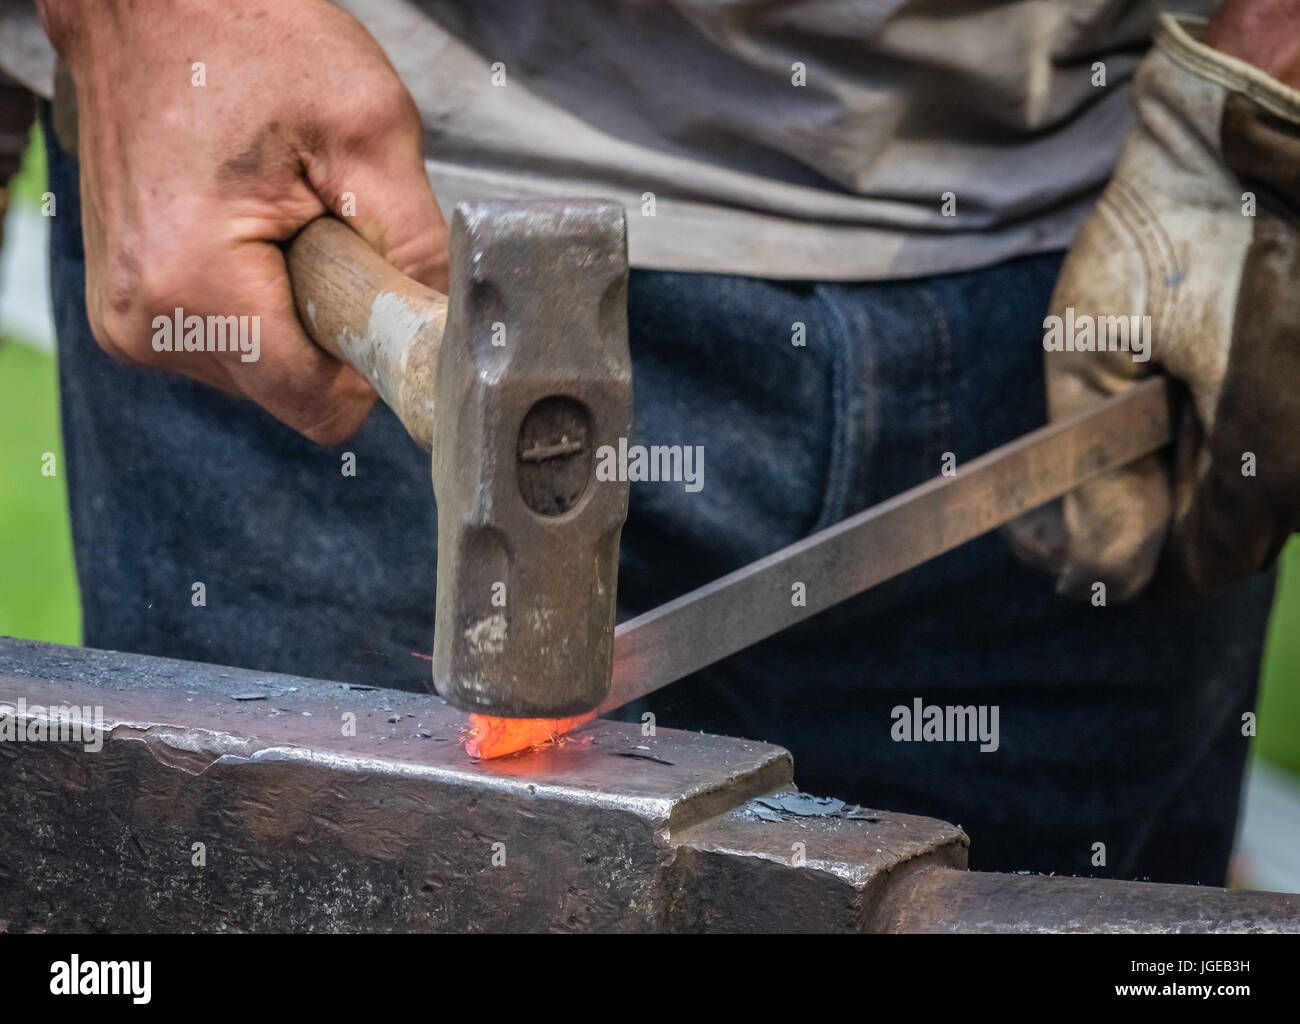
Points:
[(225, 799)]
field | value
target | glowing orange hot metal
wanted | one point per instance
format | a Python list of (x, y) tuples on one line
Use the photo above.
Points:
[(489, 737)]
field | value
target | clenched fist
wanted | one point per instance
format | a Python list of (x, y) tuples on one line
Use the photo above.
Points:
[(209, 132)]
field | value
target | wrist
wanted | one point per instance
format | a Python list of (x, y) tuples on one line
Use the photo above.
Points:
[(1265, 33)]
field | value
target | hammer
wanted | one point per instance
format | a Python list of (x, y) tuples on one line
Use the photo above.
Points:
[(513, 383)]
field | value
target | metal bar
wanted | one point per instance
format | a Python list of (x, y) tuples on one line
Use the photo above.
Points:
[(752, 603), (939, 899)]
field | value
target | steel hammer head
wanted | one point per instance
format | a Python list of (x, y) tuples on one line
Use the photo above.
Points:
[(533, 377)]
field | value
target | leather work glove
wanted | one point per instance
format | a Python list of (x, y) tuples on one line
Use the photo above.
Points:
[(1199, 230)]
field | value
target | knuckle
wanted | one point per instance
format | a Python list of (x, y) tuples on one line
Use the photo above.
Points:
[(110, 330), (159, 290), (333, 420), (388, 108), (104, 329), (133, 290), (336, 426), (114, 329), (327, 434)]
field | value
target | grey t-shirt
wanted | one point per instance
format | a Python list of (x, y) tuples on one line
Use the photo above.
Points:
[(821, 139)]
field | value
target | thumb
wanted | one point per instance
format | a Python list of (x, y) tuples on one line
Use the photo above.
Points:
[(382, 192)]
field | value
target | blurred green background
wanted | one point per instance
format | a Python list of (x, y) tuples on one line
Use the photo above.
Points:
[(38, 594), (38, 590)]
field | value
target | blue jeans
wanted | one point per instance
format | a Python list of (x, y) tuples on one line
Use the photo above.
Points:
[(1117, 725)]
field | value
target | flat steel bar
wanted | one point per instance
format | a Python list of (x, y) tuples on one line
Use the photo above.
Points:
[(937, 899), (753, 603)]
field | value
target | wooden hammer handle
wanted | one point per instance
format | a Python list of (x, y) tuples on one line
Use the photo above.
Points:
[(359, 308)]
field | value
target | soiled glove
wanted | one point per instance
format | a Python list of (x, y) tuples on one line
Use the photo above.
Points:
[(1199, 231)]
